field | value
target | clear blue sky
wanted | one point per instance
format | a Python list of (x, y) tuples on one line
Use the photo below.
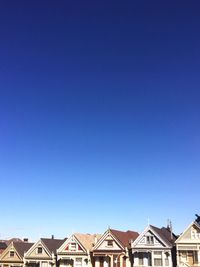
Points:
[(99, 115)]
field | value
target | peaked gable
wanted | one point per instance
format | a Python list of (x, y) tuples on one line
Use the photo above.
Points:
[(72, 246), (52, 244), (191, 234), (22, 247), (151, 237), (10, 254), (38, 250), (114, 240)]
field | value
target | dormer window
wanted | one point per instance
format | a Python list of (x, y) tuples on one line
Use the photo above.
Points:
[(12, 253), (150, 240), (39, 250), (110, 243)]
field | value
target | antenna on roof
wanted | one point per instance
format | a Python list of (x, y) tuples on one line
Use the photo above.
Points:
[(148, 221), (169, 227)]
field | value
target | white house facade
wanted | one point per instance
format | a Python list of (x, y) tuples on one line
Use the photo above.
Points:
[(153, 247)]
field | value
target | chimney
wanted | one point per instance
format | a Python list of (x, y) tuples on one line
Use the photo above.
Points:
[(52, 236), (25, 239)]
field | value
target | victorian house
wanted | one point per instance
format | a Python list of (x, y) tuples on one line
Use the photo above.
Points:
[(75, 251), (188, 245), (154, 247), (43, 253), (13, 255), (113, 249)]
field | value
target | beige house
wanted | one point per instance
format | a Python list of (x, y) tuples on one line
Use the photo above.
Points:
[(113, 249), (188, 246), (13, 255), (75, 251), (43, 253), (154, 247)]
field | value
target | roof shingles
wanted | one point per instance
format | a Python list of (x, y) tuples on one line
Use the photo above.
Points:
[(124, 237), (52, 244), (22, 247)]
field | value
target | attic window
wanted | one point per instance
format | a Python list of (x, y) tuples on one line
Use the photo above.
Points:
[(110, 243), (39, 250), (150, 240), (12, 253), (73, 246)]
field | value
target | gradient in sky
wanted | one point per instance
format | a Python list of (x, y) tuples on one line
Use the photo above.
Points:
[(99, 115)]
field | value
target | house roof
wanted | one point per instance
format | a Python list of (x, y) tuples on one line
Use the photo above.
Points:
[(3, 245), (22, 247), (15, 239), (87, 240), (192, 224), (52, 244), (165, 234), (125, 237)]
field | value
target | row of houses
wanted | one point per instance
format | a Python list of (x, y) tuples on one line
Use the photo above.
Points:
[(158, 247)]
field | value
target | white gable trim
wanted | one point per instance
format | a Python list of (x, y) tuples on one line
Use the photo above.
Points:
[(27, 254), (190, 225), (72, 238), (148, 228), (103, 237), (9, 249)]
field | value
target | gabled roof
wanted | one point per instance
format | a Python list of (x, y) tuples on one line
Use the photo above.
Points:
[(165, 234), (52, 244), (190, 225), (87, 240), (124, 237), (22, 247)]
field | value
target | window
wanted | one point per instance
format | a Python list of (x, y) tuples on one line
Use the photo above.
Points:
[(158, 253), (12, 253), (73, 246), (158, 262), (39, 250), (150, 240), (158, 258), (110, 243)]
